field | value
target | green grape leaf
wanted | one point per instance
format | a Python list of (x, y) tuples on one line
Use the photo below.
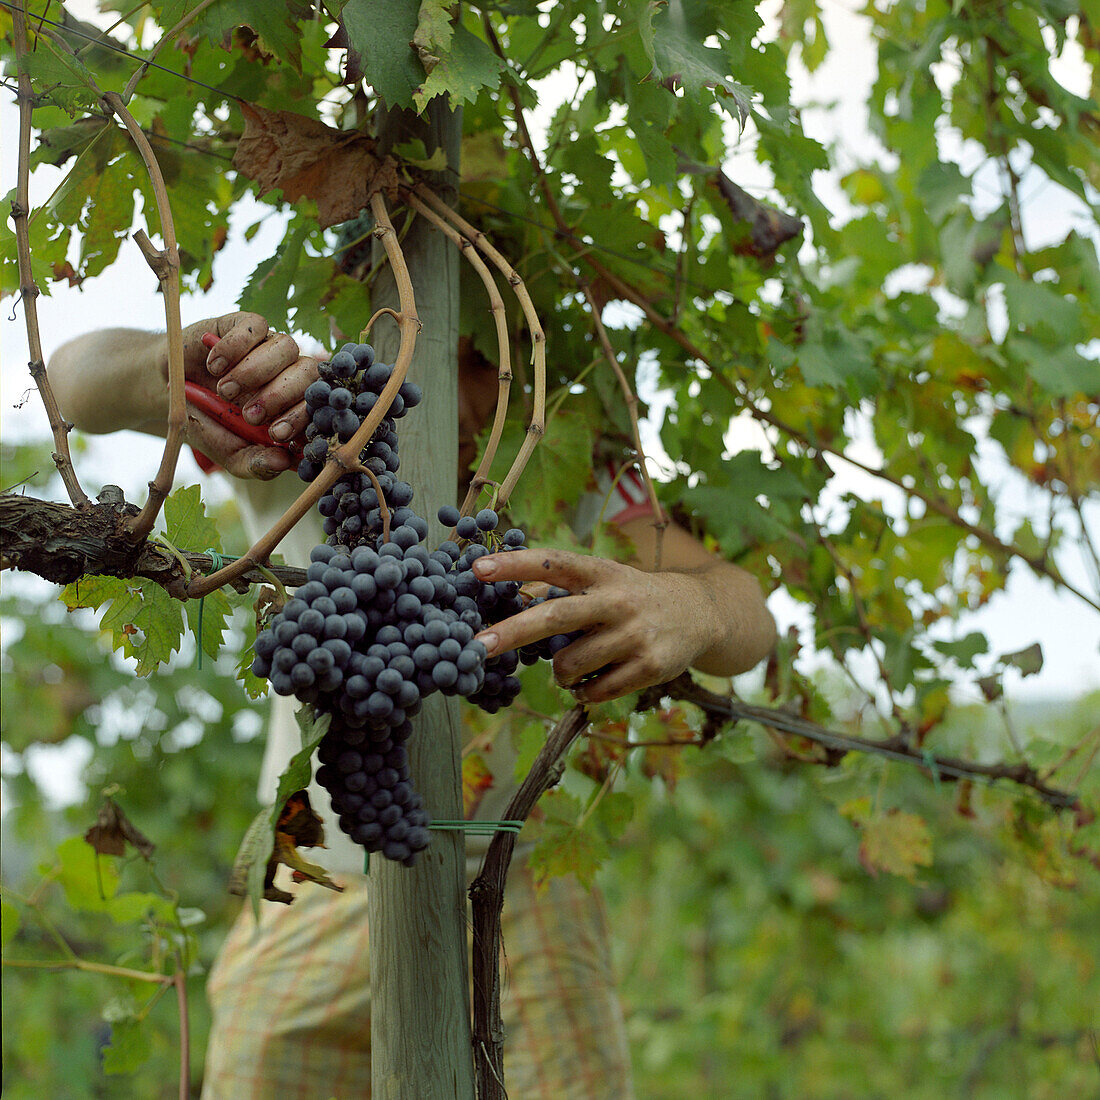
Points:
[(557, 472), (88, 879), (562, 848), (138, 906), (1040, 309), (186, 524), (278, 34), (841, 360), (208, 618), (60, 75), (940, 187), (965, 649), (255, 687), (527, 740), (1026, 661), (267, 291), (730, 502), (129, 1048), (145, 622), (381, 33), (1061, 371), (187, 527), (682, 60), (614, 812), (462, 71)]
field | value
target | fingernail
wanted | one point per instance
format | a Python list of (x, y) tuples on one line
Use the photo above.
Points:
[(489, 641), (254, 414), (216, 365), (282, 430), (484, 567), (229, 390), (260, 468)]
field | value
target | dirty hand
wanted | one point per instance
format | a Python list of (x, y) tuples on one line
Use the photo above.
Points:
[(639, 628), (261, 372)]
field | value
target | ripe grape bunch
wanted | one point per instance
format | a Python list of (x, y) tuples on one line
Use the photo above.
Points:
[(382, 622)]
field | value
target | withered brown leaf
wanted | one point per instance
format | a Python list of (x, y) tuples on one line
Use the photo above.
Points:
[(113, 830), (307, 159)]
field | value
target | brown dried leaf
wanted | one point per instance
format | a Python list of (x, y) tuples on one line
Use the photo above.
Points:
[(299, 821), (297, 825), (768, 228), (286, 851), (67, 272), (307, 159), (113, 830)]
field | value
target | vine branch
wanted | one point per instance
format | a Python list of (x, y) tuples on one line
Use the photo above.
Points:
[(165, 264), (537, 427), (487, 897), (660, 520), (721, 709), (61, 544), (28, 288), (504, 357)]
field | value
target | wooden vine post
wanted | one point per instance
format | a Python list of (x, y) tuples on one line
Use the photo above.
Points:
[(420, 1017)]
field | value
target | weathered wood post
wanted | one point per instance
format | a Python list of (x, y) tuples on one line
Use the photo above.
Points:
[(420, 1017)]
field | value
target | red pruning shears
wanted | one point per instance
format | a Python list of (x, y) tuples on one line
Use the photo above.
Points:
[(229, 416)]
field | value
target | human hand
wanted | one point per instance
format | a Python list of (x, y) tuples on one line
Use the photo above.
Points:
[(261, 372), (639, 628)]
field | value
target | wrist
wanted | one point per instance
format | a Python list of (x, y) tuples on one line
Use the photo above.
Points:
[(710, 622)]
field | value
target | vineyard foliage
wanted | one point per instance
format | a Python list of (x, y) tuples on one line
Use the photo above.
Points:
[(797, 312)]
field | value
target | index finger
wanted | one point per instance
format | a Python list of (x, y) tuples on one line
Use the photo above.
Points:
[(238, 334), (561, 567)]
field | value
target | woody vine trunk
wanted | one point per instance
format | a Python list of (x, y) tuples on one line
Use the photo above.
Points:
[(420, 1020)]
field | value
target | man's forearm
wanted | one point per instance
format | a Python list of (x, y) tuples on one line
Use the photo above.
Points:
[(112, 379), (719, 599), (744, 630)]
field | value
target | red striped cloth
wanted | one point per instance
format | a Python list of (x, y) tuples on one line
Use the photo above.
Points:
[(291, 1000), (624, 492)]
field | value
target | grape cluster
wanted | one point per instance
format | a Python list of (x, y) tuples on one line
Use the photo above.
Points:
[(382, 622)]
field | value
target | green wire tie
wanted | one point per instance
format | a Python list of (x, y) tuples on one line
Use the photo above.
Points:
[(471, 828), (217, 561), (930, 763)]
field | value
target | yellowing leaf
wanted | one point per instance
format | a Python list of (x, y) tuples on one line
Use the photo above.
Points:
[(897, 842)]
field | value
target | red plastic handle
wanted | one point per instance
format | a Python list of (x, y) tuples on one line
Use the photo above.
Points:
[(228, 415)]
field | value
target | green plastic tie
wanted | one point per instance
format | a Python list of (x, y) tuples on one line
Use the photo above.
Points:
[(471, 828), (933, 767), (479, 828)]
